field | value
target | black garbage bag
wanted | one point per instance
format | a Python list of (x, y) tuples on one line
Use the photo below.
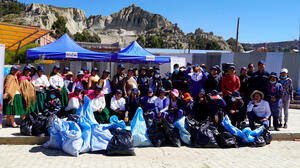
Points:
[(267, 136), (171, 133), (121, 143), (258, 142), (73, 117), (192, 126), (26, 125), (39, 126), (156, 133), (226, 140), (206, 136), (50, 120)]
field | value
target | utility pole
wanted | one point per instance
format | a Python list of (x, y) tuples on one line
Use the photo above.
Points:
[(237, 35)]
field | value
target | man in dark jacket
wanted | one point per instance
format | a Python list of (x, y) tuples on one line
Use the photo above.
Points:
[(260, 79), (177, 78), (117, 82), (244, 91), (213, 81), (251, 69), (143, 82)]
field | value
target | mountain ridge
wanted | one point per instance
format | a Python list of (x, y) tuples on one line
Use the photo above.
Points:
[(123, 27)]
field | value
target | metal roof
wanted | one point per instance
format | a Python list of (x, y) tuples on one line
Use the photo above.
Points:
[(17, 36)]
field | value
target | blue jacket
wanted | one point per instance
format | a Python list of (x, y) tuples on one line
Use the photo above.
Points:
[(148, 103), (196, 84), (277, 93)]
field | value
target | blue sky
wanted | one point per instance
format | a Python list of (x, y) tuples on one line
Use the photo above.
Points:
[(261, 20)]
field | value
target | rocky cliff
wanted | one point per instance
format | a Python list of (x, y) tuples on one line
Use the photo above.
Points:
[(123, 27)]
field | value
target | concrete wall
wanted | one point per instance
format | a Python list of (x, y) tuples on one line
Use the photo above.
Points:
[(274, 62)]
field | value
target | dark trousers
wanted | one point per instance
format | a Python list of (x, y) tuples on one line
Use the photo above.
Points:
[(235, 118), (275, 121), (254, 118)]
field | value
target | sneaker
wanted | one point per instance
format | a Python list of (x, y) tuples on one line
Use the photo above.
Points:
[(276, 129), (285, 126)]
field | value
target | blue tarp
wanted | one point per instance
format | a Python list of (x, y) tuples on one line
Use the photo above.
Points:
[(134, 53), (66, 49)]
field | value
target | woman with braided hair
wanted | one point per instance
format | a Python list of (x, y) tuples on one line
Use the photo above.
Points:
[(12, 99), (27, 91)]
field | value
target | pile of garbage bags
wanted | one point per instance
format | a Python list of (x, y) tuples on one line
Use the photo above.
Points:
[(81, 134), (194, 134)]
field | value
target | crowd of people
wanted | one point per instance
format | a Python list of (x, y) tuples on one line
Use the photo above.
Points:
[(191, 90)]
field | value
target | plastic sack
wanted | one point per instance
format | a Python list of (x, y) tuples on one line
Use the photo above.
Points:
[(267, 136), (72, 141), (171, 132), (232, 129), (55, 140), (86, 131), (226, 140), (139, 130), (258, 142), (100, 137), (156, 134), (121, 143), (247, 135), (206, 136), (86, 111), (39, 125), (184, 133), (116, 123), (26, 127), (73, 117)]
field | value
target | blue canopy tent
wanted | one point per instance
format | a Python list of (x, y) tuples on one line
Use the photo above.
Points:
[(134, 53), (66, 49)]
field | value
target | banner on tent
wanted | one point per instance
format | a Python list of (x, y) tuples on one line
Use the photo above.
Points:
[(2, 60), (150, 58), (71, 55)]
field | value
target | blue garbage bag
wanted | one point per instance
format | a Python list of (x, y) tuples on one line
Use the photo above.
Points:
[(72, 140), (86, 131), (139, 130), (56, 139), (184, 133), (100, 137), (232, 129), (116, 123), (257, 131), (246, 134), (86, 111)]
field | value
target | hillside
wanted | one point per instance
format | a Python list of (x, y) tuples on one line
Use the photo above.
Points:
[(130, 23), (273, 46)]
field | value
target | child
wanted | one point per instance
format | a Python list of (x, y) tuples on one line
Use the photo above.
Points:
[(234, 108), (274, 98), (52, 104), (216, 106)]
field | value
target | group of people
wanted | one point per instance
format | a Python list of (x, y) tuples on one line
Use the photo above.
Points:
[(191, 90)]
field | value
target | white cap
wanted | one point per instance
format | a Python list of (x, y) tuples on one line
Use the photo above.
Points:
[(284, 70)]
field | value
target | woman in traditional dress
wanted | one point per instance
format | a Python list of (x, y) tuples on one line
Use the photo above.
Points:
[(98, 105), (40, 82), (57, 83), (27, 92), (12, 99)]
